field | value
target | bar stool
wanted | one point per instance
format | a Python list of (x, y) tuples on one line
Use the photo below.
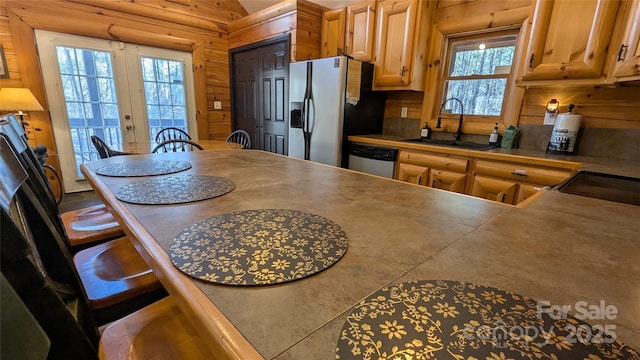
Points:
[(158, 331)]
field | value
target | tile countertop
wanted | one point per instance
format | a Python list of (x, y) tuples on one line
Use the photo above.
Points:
[(564, 249), (588, 163)]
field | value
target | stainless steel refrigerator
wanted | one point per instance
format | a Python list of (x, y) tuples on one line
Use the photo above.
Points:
[(331, 99)]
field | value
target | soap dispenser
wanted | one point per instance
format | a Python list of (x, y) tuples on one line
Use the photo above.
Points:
[(425, 132), (493, 137)]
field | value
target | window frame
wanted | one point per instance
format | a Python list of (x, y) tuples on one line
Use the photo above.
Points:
[(448, 44), (503, 19)]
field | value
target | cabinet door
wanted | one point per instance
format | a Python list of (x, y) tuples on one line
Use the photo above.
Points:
[(359, 35), (332, 36), (522, 173), (628, 60), (413, 173), (569, 39), (525, 191), (394, 42), (447, 180), (494, 189)]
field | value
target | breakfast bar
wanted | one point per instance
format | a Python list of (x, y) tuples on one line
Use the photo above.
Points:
[(560, 249)]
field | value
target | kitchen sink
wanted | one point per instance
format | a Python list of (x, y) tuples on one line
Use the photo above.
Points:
[(453, 143), (620, 189)]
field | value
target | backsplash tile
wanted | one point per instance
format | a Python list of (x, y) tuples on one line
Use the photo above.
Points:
[(623, 144), (404, 127)]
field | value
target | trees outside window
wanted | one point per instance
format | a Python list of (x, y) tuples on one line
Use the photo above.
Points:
[(476, 73)]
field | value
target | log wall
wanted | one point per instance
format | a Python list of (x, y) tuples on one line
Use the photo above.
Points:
[(298, 18)]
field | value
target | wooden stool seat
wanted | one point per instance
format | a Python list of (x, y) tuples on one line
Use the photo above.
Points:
[(113, 272), (90, 224), (158, 331)]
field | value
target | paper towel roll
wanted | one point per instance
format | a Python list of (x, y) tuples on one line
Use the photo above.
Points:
[(565, 133)]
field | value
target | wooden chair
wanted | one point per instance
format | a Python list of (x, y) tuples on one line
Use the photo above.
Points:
[(171, 133), (82, 226), (114, 278), (240, 137), (176, 145), (104, 151), (90, 225), (158, 331)]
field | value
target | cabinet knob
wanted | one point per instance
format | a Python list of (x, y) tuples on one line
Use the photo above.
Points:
[(403, 70)]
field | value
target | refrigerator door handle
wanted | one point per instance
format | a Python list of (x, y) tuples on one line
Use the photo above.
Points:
[(308, 112)]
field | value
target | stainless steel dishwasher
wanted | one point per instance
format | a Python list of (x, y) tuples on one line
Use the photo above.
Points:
[(371, 159)]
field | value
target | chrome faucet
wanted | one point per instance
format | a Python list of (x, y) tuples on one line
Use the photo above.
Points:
[(458, 133)]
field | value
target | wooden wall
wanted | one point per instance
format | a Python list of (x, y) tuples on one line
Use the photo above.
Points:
[(298, 18), (196, 26), (602, 107)]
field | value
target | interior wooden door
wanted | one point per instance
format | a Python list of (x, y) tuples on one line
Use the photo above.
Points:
[(245, 93), (274, 98), (260, 91), (569, 39)]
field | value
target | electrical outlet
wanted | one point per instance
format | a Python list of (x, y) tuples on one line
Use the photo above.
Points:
[(403, 114), (217, 105)]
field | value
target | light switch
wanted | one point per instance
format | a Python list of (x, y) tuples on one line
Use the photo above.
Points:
[(403, 113), (217, 105)]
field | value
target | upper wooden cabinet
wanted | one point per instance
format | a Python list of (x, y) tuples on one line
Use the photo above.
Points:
[(570, 39), (332, 35), (401, 43), (349, 31), (359, 34), (628, 56)]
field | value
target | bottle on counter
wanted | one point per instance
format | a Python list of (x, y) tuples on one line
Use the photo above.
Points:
[(425, 132), (493, 137)]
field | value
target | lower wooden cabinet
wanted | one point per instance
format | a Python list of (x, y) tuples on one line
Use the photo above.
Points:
[(412, 173), (528, 179), (494, 189), (442, 172), (447, 180), (502, 181), (525, 191)]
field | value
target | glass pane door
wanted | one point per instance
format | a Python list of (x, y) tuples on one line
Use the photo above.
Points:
[(122, 93), (164, 94), (91, 101)]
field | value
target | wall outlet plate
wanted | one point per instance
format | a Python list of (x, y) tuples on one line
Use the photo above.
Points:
[(549, 119), (217, 105), (403, 113)]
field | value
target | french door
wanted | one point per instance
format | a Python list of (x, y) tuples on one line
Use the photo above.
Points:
[(117, 91)]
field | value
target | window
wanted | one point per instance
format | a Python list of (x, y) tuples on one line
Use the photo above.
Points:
[(123, 93), (476, 73)]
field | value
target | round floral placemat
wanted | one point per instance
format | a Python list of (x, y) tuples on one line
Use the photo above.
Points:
[(144, 167), (258, 247), (457, 320), (174, 189)]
